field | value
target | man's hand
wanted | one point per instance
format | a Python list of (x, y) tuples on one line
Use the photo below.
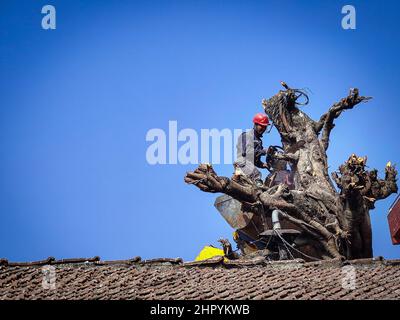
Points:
[(265, 165)]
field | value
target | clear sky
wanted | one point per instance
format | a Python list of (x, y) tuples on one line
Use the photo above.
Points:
[(76, 104)]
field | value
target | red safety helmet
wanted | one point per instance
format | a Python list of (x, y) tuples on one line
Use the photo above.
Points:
[(261, 119)]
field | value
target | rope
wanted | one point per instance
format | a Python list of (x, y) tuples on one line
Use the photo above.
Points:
[(284, 243), (301, 92), (298, 251)]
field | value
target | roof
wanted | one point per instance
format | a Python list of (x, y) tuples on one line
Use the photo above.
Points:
[(211, 279)]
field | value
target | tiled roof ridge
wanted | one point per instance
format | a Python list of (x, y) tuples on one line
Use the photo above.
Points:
[(213, 262)]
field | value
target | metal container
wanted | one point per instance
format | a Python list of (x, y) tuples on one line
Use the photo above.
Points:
[(230, 209)]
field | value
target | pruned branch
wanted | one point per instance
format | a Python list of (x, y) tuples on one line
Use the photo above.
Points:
[(382, 188), (326, 121), (205, 178)]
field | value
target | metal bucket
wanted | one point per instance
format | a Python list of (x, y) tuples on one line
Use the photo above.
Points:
[(230, 209)]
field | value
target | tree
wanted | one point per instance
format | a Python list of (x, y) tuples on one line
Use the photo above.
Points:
[(336, 224)]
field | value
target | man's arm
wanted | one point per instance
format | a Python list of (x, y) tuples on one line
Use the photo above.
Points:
[(257, 158)]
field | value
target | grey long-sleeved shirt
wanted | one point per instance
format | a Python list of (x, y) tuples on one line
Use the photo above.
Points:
[(250, 147)]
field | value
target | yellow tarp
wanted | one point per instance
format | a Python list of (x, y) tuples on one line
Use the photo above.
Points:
[(209, 252)]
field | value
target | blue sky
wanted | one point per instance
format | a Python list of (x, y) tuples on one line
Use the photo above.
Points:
[(76, 104)]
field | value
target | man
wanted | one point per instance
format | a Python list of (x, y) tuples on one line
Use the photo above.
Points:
[(250, 149)]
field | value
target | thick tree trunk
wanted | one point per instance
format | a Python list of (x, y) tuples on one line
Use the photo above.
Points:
[(337, 224)]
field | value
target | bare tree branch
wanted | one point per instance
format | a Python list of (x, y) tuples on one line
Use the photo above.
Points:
[(326, 121)]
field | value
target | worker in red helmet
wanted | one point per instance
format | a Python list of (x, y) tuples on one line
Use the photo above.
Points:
[(250, 149)]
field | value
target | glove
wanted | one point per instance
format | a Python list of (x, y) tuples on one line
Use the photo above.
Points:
[(265, 165)]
